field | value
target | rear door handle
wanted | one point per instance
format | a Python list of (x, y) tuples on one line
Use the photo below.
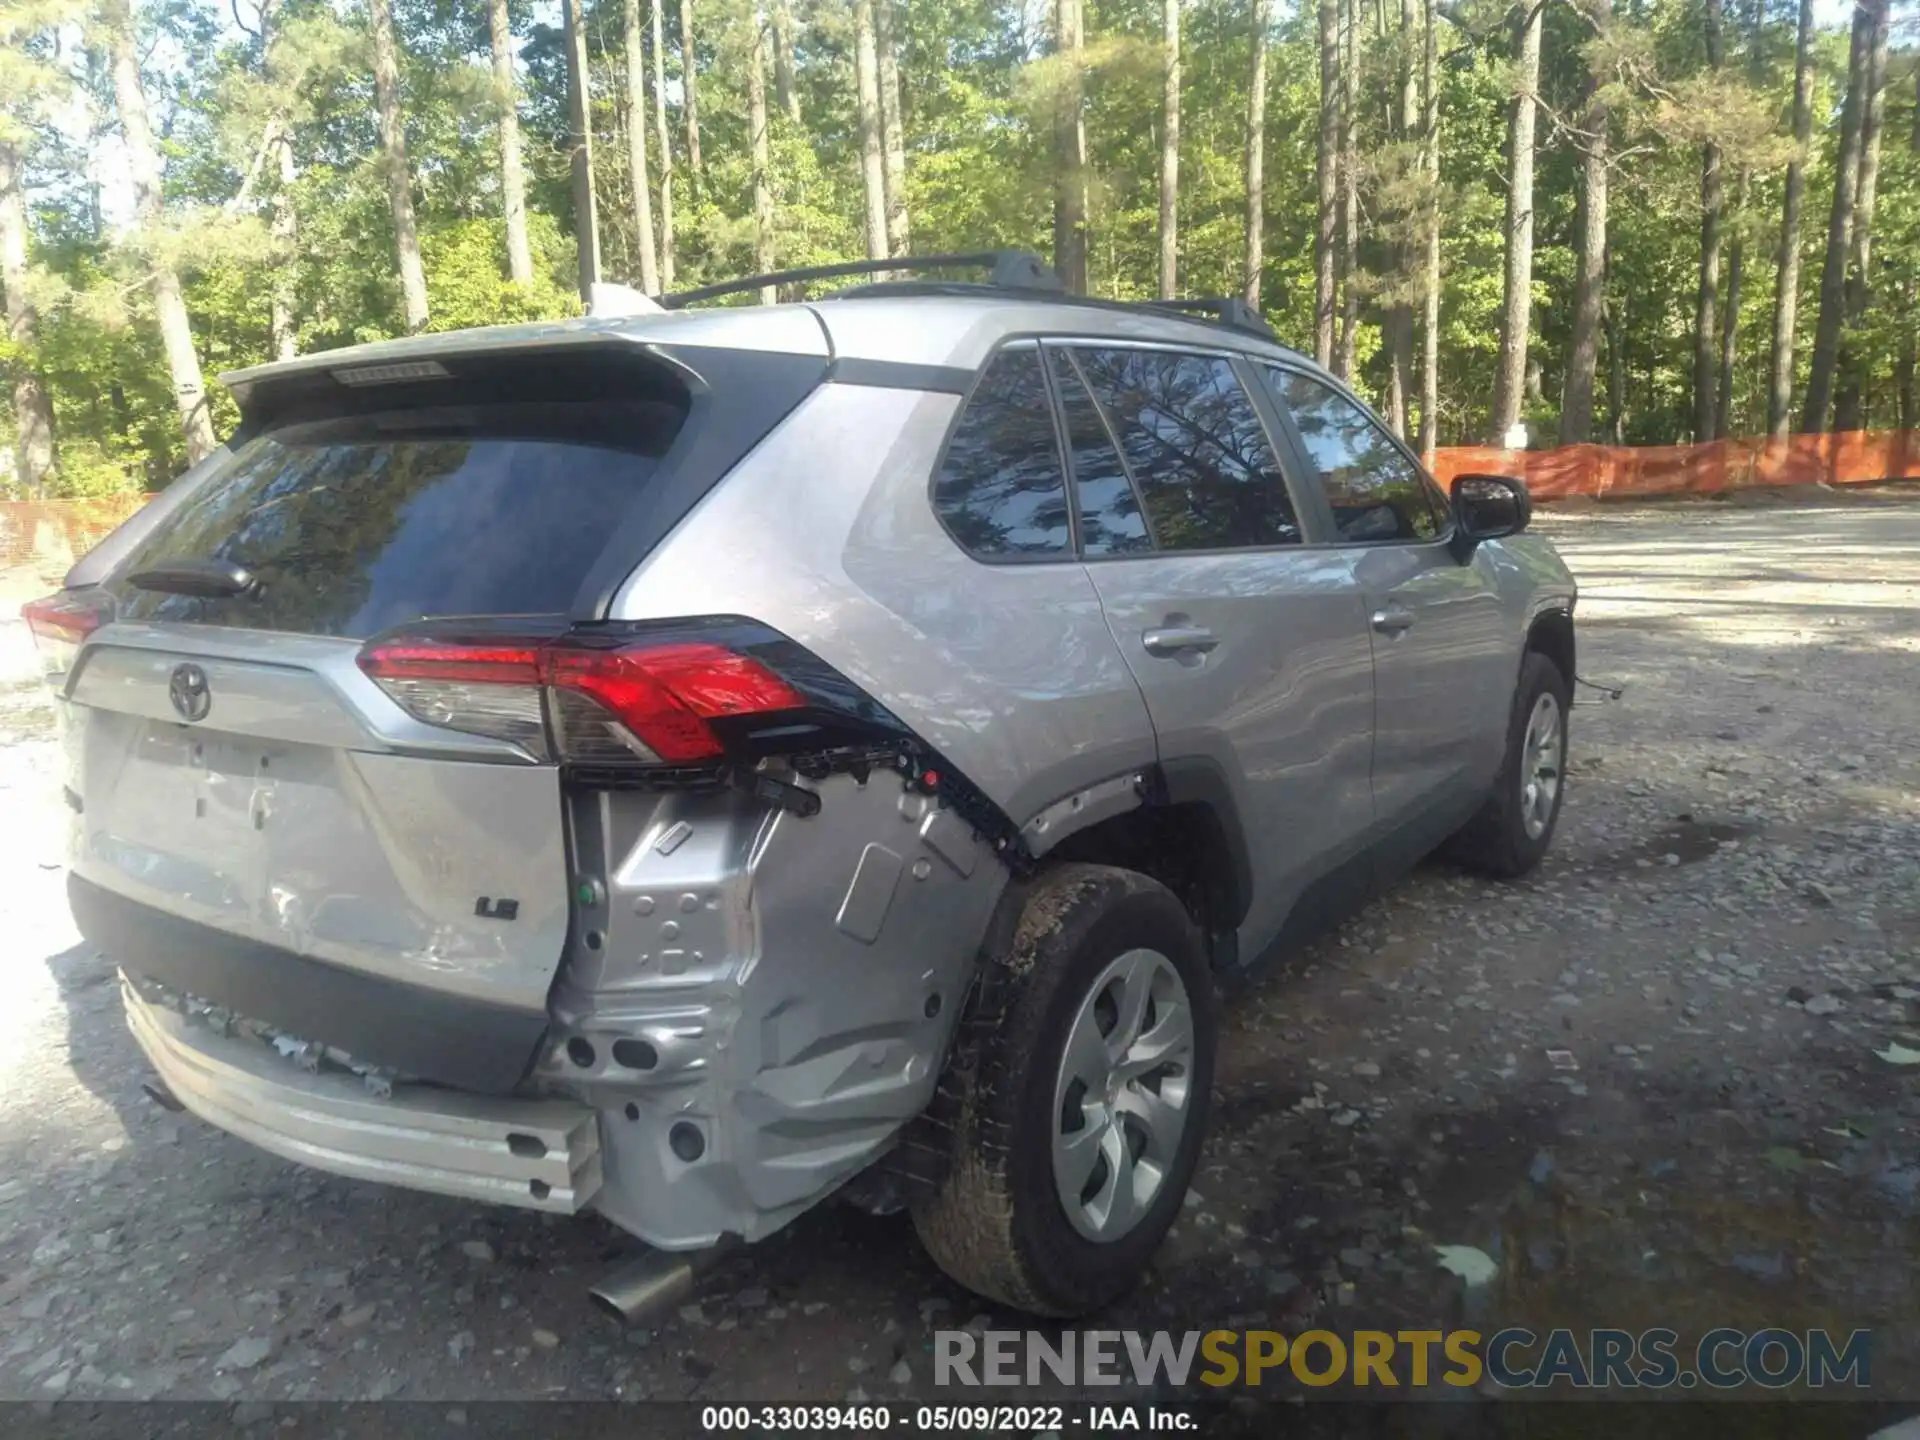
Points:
[(1170, 640), (1392, 620)]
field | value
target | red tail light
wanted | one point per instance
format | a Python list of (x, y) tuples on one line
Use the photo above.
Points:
[(61, 623), (601, 703), (68, 617)]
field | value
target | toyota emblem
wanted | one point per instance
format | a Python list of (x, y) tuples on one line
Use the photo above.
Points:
[(189, 693)]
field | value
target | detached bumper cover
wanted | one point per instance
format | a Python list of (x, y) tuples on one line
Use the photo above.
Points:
[(538, 1154)]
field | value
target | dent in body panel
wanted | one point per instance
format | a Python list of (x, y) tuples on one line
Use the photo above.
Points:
[(718, 993), (826, 533), (367, 861)]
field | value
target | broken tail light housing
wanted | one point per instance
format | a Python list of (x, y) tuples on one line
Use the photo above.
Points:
[(60, 624), (644, 696)]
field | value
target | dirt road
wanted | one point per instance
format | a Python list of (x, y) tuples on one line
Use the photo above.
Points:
[(1727, 933)]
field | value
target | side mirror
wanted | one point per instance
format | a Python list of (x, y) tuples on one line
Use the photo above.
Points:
[(1486, 507)]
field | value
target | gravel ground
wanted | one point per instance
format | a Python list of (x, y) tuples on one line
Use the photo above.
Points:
[(1645, 1082)]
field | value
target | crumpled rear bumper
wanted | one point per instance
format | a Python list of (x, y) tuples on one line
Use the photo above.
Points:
[(538, 1154)]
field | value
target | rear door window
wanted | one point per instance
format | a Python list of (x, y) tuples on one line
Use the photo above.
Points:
[(1001, 490), (1196, 448), (356, 525), (1110, 519), (1376, 492)]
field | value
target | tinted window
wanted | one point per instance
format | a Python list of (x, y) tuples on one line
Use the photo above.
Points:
[(356, 525), (1001, 489), (1110, 522), (1196, 449), (1377, 493)]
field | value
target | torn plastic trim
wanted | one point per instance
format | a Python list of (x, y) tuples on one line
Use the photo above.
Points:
[(1088, 806), (841, 730)]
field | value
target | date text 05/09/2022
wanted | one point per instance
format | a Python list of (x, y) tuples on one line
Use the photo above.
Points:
[(940, 1419)]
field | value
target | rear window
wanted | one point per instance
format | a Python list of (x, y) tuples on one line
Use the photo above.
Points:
[(353, 526), (1001, 488)]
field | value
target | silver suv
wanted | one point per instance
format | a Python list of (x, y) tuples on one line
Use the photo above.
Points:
[(686, 766)]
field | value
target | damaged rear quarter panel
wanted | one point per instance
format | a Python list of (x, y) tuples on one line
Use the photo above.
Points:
[(792, 1021), (785, 986)]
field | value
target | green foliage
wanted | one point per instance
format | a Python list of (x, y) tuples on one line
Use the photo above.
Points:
[(980, 83)]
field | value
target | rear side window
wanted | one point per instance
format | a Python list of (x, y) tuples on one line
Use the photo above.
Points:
[(356, 525), (1377, 493), (1196, 448), (1110, 519), (1002, 491)]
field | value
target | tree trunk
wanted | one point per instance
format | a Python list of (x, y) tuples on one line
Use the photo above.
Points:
[(1170, 151), (784, 68), (866, 72), (1903, 377), (1400, 321), (1347, 347), (1848, 408), (1070, 152), (1326, 174), (170, 308), (637, 122), (284, 227), (1430, 224), (1517, 305), (1723, 417), (393, 160), (892, 127), (32, 405), (689, 86), (1787, 284), (663, 139), (1613, 318), (763, 261), (586, 216), (1590, 257), (1707, 302), (1257, 156), (513, 175), (1833, 270)]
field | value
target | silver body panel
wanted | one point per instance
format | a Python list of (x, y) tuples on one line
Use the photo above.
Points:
[(745, 1007), (1443, 684), (825, 532), (294, 817), (1283, 704)]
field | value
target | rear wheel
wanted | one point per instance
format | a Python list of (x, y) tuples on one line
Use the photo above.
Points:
[(1083, 1081), (1515, 826)]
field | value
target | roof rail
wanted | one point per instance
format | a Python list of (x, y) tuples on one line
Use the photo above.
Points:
[(1229, 310), (1009, 269)]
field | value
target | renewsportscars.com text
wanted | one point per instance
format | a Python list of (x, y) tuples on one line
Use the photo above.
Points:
[(1513, 1358)]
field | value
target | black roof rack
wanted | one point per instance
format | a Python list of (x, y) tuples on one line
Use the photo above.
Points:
[(1229, 310), (1009, 269)]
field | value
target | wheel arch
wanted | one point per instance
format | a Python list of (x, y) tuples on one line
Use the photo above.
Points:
[(1551, 634), (1185, 831)]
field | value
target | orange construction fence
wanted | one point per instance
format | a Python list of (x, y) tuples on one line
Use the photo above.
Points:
[(1851, 457), (49, 535)]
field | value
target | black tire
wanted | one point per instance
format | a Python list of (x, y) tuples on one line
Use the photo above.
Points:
[(1495, 842), (996, 1223)]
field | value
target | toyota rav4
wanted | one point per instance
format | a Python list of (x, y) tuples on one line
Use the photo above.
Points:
[(685, 765)]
